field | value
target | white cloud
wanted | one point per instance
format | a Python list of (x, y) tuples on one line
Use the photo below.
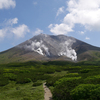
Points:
[(6, 4), (2, 33), (38, 31), (60, 29), (12, 21), (20, 31), (5, 32), (60, 10), (50, 26), (87, 38), (83, 12)]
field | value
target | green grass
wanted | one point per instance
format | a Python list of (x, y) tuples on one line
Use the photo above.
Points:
[(14, 91)]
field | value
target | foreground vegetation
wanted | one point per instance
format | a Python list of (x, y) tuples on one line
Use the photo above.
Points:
[(67, 80), (14, 91)]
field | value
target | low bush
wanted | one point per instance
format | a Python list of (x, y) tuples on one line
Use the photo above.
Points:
[(52, 80), (58, 70), (24, 71), (72, 75), (8, 70), (23, 81), (63, 87), (37, 83), (86, 92), (85, 70), (10, 76), (49, 71), (93, 79), (44, 77), (3, 81)]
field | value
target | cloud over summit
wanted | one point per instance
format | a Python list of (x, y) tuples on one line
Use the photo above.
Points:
[(83, 12)]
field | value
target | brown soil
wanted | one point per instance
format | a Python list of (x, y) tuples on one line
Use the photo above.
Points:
[(47, 94)]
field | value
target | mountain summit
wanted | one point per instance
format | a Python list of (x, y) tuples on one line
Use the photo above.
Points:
[(45, 47), (51, 46)]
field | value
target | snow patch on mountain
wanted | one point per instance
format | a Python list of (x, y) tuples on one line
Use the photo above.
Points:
[(66, 50)]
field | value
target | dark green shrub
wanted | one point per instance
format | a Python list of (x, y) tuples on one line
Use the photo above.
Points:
[(10, 76), (3, 81), (72, 75), (23, 81), (27, 80), (52, 80), (86, 92), (24, 71), (93, 79), (44, 77), (37, 83), (58, 70), (63, 87), (49, 71), (26, 98), (85, 70)]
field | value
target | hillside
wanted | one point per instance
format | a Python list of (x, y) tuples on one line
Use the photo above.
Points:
[(49, 47)]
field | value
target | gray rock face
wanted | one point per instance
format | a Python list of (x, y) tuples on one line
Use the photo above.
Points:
[(51, 46)]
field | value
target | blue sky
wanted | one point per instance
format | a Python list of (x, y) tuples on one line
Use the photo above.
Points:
[(20, 20)]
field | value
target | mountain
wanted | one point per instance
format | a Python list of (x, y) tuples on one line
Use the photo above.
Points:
[(49, 47)]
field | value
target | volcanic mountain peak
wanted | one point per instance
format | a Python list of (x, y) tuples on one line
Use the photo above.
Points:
[(49, 47)]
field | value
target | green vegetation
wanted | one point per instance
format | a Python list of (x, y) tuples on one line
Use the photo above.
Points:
[(67, 80), (38, 83), (85, 70), (63, 87), (79, 83), (14, 91), (86, 92)]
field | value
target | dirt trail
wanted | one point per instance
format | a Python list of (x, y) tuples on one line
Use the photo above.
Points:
[(47, 94)]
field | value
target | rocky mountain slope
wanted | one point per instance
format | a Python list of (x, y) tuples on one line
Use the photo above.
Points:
[(49, 47)]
